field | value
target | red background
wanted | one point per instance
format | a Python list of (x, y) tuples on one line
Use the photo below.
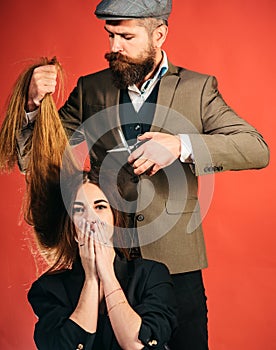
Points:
[(233, 40)]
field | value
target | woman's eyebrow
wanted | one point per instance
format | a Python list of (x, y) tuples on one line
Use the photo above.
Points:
[(100, 200), (78, 203), (95, 202)]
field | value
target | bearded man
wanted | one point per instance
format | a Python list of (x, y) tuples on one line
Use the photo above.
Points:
[(189, 131)]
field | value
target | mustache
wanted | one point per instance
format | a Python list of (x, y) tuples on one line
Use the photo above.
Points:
[(117, 56)]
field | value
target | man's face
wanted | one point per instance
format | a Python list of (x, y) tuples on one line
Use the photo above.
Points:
[(127, 38), (132, 55)]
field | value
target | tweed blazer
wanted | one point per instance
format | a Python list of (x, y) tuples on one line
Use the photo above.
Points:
[(167, 205)]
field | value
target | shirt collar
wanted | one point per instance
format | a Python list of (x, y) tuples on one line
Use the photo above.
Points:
[(162, 70)]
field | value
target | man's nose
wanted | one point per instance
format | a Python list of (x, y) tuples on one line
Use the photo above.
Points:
[(116, 44)]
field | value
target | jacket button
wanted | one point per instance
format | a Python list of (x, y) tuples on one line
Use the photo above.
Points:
[(140, 217), (80, 347), (152, 342)]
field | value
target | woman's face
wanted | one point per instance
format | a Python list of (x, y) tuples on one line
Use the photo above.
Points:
[(92, 207)]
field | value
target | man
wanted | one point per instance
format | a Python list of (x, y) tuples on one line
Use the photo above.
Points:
[(189, 131)]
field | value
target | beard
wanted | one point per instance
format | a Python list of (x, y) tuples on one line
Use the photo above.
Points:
[(129, 71)]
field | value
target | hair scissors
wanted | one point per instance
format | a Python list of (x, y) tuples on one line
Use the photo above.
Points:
[(126, 146)]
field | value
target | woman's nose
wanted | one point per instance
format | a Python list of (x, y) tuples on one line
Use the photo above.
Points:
[(91, 217), (87, 225)]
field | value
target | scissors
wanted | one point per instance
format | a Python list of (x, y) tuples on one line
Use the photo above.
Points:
[(127, 147)]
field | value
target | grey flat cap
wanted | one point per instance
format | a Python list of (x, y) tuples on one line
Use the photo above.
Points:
[(131, 9)]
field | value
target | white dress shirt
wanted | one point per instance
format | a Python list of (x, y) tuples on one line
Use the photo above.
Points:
[(138, 97)]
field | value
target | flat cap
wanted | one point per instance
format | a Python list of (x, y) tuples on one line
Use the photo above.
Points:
[(131, 9)]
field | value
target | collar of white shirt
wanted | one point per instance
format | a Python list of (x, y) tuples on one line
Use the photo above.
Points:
[(137, 96)]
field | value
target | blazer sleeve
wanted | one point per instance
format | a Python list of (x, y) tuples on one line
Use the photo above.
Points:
[(71, 114), (157, 308), (228, 141), (87, 98), (54, 330)]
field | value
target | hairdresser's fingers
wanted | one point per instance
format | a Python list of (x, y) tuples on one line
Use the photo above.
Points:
[(43, 81), (45, 73)]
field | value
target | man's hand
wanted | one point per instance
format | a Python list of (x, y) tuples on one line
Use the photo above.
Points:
[(43, 81), (158, 152)]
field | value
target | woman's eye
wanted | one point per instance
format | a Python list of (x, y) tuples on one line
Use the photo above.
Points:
[(78, 210), (101, 207)]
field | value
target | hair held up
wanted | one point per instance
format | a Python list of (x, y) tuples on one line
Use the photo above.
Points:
[(47, 151)]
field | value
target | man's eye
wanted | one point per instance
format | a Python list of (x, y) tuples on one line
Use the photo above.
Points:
[(128, 37)]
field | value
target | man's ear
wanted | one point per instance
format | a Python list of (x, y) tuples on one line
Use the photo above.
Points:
[(159, 35)]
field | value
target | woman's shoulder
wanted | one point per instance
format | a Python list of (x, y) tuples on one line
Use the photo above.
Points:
[(48, 280), (75, 271), (55, 286)]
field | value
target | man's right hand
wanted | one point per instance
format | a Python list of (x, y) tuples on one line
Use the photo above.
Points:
[(43, 81)]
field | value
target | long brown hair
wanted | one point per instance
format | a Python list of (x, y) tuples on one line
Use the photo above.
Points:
[(46, 152), (51, 216), (49, 138), (45, 206)]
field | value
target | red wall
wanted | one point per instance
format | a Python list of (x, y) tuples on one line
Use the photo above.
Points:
[(233, 40)]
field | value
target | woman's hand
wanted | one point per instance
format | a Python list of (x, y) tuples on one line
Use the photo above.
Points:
[(104, 251), (124, 320), (86, 312), (87, 248)]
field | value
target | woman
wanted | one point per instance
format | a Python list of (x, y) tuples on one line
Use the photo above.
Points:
[(94, 297)]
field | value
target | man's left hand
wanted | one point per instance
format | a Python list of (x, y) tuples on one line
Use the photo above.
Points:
[(158, 152)]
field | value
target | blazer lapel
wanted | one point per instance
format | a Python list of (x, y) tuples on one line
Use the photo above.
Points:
[(112, 103), (123, 271), (166, 92), (105, 123), (73, 282), (111, 120)]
